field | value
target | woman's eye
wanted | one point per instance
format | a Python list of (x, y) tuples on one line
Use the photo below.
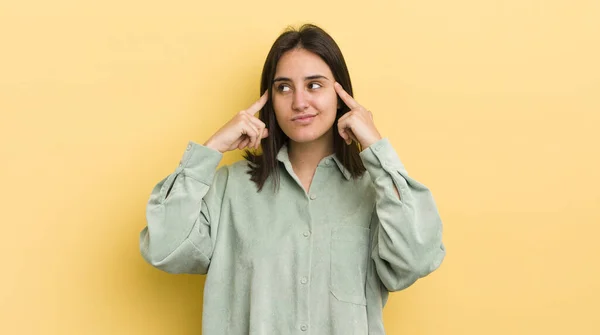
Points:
[(314, 86), (283, 88)]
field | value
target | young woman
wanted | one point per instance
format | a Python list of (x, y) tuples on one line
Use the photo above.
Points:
[(310, 234)]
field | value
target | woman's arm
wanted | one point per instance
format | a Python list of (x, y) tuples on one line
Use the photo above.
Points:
[(407, 243), (183, 213), (184, 208)]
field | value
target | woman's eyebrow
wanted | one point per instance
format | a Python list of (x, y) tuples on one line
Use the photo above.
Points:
[(317, 76), (313, 77)]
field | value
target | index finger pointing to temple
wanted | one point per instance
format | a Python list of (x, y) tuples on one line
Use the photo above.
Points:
[(258, 104), (347, 98)]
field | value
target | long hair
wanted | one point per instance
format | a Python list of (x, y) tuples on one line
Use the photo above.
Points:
[(316, 40)]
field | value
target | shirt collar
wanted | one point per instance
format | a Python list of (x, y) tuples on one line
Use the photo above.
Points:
[(284, 157)]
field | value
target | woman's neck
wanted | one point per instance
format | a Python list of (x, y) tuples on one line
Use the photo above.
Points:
[(306, 156)]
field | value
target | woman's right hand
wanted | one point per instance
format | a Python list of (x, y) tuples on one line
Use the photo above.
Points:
[(243, 131)]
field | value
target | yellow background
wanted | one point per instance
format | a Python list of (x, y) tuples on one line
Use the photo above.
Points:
[(495, 105)]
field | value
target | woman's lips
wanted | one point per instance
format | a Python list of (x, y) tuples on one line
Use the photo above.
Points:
[(304, 119)]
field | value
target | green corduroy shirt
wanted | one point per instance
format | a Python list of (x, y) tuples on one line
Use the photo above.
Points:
[(291, 261)]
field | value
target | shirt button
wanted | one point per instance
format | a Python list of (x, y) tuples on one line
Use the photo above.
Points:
[(304, 280), (180, 164), (306, 234), (189, 147), (313, 197), (303, 328), (327, 162)]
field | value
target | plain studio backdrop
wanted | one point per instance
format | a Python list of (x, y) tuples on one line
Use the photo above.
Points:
[(495, 105)]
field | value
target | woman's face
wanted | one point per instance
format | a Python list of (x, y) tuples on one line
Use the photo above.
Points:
[(304, 98)]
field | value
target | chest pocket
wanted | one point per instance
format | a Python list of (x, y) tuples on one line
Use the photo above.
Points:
[(349, 256)]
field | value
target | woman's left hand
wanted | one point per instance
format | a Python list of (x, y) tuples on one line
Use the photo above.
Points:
[(358, 123)]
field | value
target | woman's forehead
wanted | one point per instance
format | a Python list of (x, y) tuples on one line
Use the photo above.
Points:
[(301, 63)]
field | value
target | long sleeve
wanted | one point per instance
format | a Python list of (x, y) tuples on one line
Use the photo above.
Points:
[(407, 242), (183, 213)]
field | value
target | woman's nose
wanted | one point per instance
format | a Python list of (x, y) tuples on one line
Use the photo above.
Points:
[(300, 101)]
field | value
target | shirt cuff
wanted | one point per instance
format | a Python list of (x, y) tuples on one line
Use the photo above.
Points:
[(380, 158), (200, 162)]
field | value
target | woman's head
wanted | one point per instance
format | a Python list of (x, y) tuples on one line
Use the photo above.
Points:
[(305, 52), (299, 73), (303, 97)]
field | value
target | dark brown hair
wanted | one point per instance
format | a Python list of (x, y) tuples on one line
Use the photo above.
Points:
[(316, 40)]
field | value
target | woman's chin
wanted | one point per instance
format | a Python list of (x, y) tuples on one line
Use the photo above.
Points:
[(306, 136), (302, 139)]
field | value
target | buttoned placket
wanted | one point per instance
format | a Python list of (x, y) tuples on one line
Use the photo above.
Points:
[(305, 262), (305, 255)]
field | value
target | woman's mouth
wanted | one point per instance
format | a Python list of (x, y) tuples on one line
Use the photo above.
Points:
[(304, 119)]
